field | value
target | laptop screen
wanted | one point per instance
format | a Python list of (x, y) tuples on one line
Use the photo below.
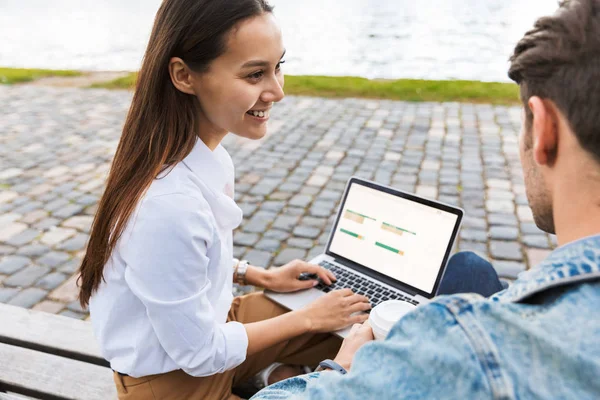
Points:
[(394, 236)]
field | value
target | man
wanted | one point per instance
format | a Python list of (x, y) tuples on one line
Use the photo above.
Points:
[(540, 338)]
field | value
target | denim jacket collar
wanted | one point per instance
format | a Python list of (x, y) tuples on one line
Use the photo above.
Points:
[(577, 261)]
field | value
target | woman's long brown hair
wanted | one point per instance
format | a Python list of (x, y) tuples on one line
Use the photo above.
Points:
[(161, 126)]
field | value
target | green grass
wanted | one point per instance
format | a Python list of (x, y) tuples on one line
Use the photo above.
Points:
[(19, 75), (402, 89), (336, 87), (126, 82)]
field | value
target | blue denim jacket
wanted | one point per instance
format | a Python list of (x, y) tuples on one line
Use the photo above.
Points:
[(539, 339)]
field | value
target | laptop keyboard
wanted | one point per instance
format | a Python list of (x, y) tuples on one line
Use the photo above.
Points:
[(348, 279)]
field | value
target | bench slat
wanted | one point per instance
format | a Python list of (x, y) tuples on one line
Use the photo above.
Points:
[(54, 334), (34, 373)]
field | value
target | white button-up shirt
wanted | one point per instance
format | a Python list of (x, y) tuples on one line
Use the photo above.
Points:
[(168, 282)]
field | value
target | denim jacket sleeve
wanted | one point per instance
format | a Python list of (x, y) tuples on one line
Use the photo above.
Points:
[(425, 354)]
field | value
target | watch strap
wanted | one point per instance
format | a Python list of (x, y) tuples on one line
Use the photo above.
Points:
[(332, 365)]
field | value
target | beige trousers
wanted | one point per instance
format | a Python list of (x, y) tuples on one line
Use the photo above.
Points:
[(307, 349)]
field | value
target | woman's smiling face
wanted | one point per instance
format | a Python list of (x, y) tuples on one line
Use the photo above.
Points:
[(239, 88)]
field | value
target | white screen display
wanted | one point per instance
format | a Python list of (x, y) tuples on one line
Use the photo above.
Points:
[(394, 236)]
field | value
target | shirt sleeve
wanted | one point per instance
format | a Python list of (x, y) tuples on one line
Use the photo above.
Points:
[(167, 264), (426, 356)]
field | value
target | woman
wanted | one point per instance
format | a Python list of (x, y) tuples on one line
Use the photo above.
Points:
[(157, 274)]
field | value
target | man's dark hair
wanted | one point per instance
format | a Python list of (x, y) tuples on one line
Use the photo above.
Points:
[(559, 60)]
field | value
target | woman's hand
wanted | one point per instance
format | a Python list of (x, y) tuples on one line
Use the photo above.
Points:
[(285, 278), (335, 311), (358, 336)]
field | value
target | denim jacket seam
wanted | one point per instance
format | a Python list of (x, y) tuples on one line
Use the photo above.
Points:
[(483, 346)]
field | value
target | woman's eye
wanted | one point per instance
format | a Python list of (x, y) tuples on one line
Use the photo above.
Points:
[(278, 67), (256, 75)]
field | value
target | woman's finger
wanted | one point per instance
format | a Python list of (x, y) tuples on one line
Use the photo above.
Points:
[(360, 306), (359, 298), (321, 272), (359, 318)]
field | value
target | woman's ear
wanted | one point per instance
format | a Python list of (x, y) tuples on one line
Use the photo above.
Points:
[(181, 76)]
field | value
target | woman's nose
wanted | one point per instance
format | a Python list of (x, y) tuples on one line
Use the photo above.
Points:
[(274, 92)]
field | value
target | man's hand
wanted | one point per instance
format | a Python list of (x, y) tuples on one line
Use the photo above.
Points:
[(285, 278), (358, 336)]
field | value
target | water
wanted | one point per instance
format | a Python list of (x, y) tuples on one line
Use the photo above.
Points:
[(432, 39)]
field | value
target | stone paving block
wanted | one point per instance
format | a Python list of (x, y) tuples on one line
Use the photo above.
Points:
[(259, 258), (70, 266), (34, 216), (67, 292), (306, 232), (57, 235), (286, 222), (11, 229), (508, 269), (310, 191), (56, 204), (289, 254), (76, 307), (49, 306), (269, 245), (300, 243), (7, 218), (11, 264), (27, 298), (506, 250), (6, 250), (277, 234), (474, 235), (51, 281), (300, 200), (503, 233), (317, 180), (530, 228), (245, 239), (23, 238), (476, 247), (27, 276), (427, 191), (47, 223), (87, 200), (239, 251), (500, 206), (8, 196), (524, 213), (538, 241), (68, 211), (53, 259), (6, 294), (71, 314), (503, 219), (77, 242), (257, 225)]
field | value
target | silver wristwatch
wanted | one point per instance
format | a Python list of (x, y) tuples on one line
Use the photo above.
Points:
[(240, 272)]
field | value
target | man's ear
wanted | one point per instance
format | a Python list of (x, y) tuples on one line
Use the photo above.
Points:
[(544, 130), (181, 76)]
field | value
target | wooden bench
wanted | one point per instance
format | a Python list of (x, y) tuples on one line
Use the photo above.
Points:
[(51, 357)]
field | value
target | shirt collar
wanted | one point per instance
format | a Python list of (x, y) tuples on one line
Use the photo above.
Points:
[(209, 166), (577, 261), (205, 164)]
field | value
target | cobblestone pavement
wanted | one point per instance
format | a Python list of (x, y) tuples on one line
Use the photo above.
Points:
[(56, 146)]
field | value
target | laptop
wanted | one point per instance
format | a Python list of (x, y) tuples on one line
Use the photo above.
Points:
[(385, 244)]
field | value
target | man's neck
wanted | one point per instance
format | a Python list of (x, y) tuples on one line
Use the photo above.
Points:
[(576, 215)]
